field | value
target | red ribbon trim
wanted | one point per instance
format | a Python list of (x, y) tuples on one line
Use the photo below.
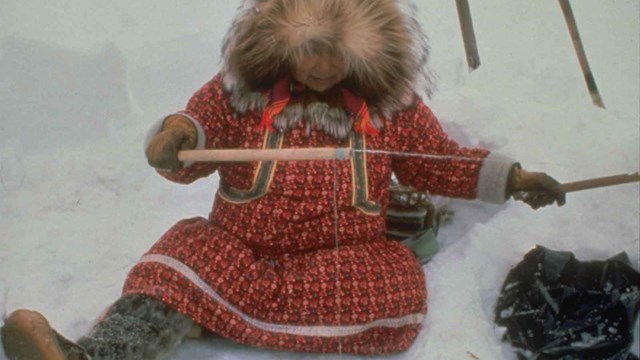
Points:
[(356, 107)]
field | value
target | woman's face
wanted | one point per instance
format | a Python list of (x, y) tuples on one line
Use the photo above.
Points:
[(320, 71)]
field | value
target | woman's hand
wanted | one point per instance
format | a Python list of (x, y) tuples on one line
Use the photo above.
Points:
[(535, 188), (178, 133)]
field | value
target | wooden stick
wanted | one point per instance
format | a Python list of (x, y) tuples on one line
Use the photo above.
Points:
[(239, 155), (601, 182), (468, 34), (582, 55)]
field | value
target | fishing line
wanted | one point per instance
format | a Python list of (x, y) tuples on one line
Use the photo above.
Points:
[(422, 155), (337, 249), (459, 157)]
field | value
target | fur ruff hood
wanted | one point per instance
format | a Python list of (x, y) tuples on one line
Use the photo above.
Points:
[(384, 48)]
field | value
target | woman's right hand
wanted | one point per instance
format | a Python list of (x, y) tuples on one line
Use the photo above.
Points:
[(178, 133)]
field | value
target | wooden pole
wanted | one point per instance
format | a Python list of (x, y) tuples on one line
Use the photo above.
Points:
[(239, 155), (601, 182), (468, 34), (580, 52)]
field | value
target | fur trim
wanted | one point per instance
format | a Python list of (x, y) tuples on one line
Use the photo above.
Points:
[(319, 115), (383, 45), (321, 111)]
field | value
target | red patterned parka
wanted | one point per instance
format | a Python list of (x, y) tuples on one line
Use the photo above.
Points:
[(293, 255)]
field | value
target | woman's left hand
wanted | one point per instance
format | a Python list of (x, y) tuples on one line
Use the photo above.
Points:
[(535, 188)]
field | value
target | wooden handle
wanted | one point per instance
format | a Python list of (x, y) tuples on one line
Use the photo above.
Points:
[(239, 155), (601, 182)]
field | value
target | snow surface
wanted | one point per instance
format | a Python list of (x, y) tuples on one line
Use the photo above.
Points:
[(81, 81)]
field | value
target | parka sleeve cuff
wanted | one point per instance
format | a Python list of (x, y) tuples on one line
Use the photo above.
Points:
[(157, 127), (494, 178)]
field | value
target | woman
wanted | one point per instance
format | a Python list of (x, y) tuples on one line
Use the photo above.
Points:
[(293, 255)]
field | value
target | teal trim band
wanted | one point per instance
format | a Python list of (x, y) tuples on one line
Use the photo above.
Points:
[(262, 180), (359, 162)]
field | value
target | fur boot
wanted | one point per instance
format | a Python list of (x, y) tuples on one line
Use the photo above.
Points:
[(136, 327)]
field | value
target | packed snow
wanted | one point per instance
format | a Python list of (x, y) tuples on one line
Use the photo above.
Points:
[(81, 81)]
